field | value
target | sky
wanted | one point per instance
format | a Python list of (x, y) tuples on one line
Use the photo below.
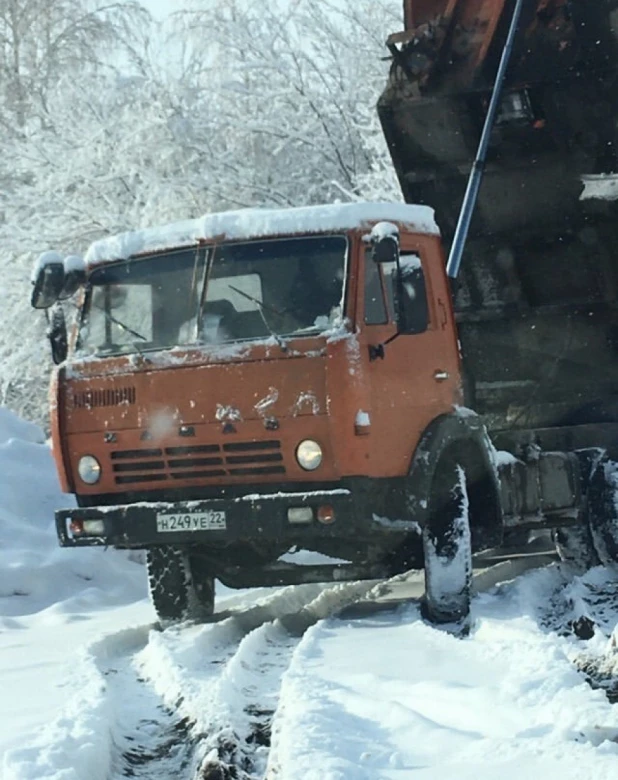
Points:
[(160, 8)]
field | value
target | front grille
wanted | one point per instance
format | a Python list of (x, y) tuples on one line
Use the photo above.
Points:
[(113, 396), (202, 461)]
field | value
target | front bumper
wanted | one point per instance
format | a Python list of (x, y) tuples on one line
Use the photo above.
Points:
[(245, 518)]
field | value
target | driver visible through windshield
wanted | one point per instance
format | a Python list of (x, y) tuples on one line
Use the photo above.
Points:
[(216, 295)]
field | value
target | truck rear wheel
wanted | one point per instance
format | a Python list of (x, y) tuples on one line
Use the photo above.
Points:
[(178, 590), (447, 546), (574, 546), (603, 512)]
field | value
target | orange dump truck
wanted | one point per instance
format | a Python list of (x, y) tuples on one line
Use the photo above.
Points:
[(253, 383)]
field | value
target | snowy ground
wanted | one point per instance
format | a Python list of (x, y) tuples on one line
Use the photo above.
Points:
[(288, 684)]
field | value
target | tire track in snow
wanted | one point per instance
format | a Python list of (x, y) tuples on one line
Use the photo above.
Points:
[(149, 739), (197, 701), (153, 704)]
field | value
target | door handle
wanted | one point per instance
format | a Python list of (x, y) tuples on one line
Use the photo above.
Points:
[(443, 313), (441, 376)]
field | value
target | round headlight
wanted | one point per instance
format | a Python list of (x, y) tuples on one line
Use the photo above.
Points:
[(309, 455), (89, 469)]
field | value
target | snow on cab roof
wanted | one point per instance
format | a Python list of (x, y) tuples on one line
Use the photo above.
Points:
[(257, 223)]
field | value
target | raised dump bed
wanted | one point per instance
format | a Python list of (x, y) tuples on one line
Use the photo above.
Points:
[(536, 299)]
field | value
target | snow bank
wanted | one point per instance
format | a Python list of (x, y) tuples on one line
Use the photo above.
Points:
[(12, 427), (77, 745), (52, 600), (256, 223), (35, 574)]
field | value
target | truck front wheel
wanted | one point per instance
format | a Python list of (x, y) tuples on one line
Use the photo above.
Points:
[(447, 546), (177, 589)]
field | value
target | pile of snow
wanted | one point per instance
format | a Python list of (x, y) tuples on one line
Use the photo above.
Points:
[(36, 574), (52, 600)]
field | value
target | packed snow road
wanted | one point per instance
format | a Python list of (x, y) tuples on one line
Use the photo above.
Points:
[(197, 701), (315, 682), (282, 690)]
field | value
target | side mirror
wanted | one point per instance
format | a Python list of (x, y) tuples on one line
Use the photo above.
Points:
[(48, 280), (386, 250), (57, 335), (74, 276), (384, 238)]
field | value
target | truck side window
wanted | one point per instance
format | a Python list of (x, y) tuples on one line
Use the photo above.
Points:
[(375, 309), (414, 290)]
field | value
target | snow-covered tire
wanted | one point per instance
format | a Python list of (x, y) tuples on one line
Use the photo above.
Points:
[(574, 546), (447, 546), (178, 590), (603, 512)]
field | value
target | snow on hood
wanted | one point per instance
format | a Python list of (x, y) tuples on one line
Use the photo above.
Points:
[(258, 223)]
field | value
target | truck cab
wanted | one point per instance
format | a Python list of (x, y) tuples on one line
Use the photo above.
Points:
[(250, 384)]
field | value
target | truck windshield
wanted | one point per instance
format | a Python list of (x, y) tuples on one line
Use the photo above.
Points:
[(216, 295)]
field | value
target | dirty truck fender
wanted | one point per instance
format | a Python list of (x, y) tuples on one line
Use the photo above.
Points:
[(463, 436)]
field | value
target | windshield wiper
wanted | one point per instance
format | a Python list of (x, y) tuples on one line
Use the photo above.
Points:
[(260, 303), (261, 307), (120, 324)]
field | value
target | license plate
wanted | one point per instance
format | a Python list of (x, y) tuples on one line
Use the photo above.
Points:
[(191, 521)]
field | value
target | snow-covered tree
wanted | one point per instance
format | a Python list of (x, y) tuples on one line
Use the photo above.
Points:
[(43, 41), (295, 82), (46, 48)]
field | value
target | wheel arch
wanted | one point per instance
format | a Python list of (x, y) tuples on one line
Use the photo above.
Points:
[(459, 438)]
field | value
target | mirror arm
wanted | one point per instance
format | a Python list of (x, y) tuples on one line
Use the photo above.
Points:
[(57, 334)]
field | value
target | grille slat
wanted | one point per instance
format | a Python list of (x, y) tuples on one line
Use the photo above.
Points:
[(136, 454), (198, 474), (239, 459), (135, 478), (153, 465), (198, 449), (245, 446), (190, 462), (111, 396), (180, 463), (257, 471)]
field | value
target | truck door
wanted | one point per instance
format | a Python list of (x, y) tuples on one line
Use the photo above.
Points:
[(414, 378)]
